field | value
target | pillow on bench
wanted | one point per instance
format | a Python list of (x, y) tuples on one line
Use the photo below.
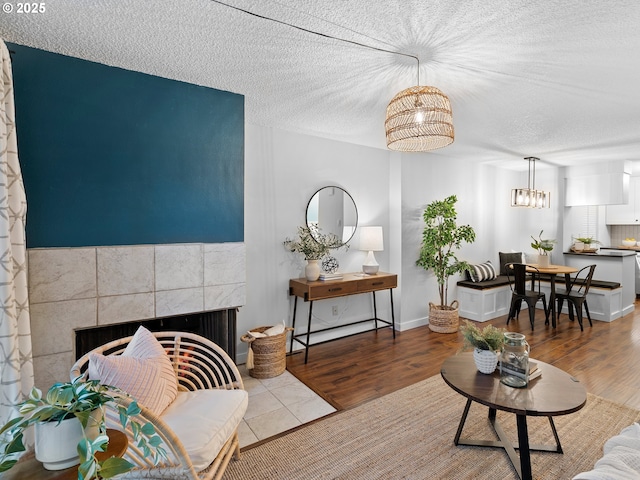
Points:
[(511, 257), (482, 272)]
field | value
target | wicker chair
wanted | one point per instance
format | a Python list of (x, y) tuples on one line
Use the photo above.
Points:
[(199, 365)]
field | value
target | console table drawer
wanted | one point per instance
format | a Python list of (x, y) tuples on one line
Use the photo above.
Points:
[(329, 290), (377, 283)]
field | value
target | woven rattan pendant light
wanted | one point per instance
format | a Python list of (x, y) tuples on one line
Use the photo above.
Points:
[(418, 120)]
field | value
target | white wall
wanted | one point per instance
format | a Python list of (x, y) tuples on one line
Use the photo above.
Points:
[(283, 170)]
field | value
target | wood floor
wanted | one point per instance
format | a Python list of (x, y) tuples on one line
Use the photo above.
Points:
[(353, 370)]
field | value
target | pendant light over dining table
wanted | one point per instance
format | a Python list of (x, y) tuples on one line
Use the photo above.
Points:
[(530, 197)]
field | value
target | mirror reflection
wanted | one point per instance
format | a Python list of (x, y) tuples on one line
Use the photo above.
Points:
[(333, 211)]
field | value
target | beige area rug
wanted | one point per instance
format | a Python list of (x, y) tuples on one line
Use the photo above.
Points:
[(409, 434)]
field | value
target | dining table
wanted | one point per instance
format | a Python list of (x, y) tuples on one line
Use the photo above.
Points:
[(553, 271)]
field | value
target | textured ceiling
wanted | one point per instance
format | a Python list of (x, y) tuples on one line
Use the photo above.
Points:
[(557, 79)]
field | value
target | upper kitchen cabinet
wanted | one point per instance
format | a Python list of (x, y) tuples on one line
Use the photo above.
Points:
[(628, 214)]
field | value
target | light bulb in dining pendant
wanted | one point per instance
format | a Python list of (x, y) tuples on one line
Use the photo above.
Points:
[(419, 117)]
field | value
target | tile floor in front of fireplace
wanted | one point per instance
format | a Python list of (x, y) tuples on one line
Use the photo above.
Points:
[(277, 404)]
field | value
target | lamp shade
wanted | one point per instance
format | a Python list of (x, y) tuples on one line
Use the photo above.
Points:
[(371, 239), (419, 119)]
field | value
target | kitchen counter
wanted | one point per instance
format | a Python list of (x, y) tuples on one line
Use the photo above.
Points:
[(605, 252), (612, 265)]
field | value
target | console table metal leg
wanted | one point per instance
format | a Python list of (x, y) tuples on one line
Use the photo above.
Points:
[(293, 323), (375, 310), (393, 316), (306, 348)]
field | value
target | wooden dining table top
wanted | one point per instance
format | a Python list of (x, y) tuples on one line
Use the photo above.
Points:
[(551, 269)]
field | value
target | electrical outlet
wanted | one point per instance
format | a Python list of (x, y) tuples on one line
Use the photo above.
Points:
[(334, 310)]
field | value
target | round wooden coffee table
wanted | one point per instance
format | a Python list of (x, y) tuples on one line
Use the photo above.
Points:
[(553, 393)]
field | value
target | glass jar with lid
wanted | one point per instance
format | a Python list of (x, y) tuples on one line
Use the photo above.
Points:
[(514, 360)]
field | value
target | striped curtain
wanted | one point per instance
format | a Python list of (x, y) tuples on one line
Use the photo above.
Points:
[(16, 361)]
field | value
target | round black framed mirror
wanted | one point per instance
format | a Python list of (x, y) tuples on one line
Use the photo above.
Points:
[(332, 210)]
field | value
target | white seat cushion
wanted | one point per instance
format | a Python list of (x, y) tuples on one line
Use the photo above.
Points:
[(203, 421)]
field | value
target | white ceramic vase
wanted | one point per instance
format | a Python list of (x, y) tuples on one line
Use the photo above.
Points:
[(56, 443), (544, 261), (486, 360), (312, 270)]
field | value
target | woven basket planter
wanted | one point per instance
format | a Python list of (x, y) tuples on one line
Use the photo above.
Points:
[(269, 353), (444, 320), (486, 360)]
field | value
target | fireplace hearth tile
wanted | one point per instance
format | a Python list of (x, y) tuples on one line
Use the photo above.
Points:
[(125, 308), (125, 270), (53, 332), (223, 296), (52, 368), (178, 266), (175, 302), (61, 274), (224, 263)]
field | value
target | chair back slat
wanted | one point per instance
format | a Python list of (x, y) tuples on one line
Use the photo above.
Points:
[(582, 280), (517, 276)]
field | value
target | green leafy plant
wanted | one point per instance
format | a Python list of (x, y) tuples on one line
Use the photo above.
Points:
[(543, 246), (441, 237), (587, 240), (312, 243), (79, 398), (489, 338)]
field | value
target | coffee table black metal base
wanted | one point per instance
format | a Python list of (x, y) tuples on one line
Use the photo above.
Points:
[(521, 463)]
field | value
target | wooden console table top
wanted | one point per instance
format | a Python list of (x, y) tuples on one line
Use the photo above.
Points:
[(349, 284)]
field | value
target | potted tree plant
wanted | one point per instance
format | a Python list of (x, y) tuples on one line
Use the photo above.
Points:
[(441, 238), (486, 343), (314, 245), (543, 246), (76, 406)]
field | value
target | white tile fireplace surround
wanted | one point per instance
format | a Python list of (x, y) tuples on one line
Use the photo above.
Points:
[(84, 287)]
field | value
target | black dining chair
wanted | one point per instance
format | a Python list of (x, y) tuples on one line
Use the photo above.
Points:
[(518, 277), (576, 295)]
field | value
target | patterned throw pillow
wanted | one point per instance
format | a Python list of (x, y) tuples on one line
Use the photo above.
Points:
[(143, 370), (481, 272)]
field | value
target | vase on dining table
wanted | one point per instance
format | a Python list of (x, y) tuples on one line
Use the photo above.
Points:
[(544, 261)]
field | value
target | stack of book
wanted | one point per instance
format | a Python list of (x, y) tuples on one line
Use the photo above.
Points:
[(330, 276), (511, 369)]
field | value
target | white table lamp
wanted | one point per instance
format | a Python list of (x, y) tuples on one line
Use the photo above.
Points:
[(371, 241)]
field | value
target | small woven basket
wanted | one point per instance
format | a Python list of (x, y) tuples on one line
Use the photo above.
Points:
[(269, 353), (444, 321)]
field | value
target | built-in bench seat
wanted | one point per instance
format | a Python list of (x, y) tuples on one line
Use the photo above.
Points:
[(482, 301)]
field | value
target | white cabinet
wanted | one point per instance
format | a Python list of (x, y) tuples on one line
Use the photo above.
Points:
[(628, 214)]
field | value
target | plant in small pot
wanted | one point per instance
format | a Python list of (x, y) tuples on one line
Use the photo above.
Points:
[(76, 408), (544, 247), (441, 238), (486, 343), (584, 244), (314, 245)]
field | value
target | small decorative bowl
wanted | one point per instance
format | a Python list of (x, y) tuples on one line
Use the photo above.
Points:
[(629, 243)]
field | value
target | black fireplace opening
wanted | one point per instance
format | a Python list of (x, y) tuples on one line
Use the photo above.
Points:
[(219, 326)]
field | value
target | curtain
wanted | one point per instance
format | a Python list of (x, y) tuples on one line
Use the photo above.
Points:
[(16, 361)]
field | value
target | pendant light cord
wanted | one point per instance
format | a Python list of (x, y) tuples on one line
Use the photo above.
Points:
[(306, 30)]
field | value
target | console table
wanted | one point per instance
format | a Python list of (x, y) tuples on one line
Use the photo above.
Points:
[(349, 284)]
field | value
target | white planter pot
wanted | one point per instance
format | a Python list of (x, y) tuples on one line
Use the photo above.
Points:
[(544, 261), (486, 360), (57, 443)]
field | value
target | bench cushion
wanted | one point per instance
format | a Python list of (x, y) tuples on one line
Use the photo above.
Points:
[(204, 420), (499, 281)]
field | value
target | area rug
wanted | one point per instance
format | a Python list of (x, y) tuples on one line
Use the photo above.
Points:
[(409, 434)]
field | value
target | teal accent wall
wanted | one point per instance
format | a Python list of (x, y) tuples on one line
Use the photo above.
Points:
[(116, 157)]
